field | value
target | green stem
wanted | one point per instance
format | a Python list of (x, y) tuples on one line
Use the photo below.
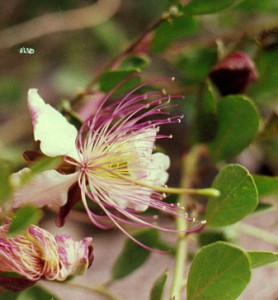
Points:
[(181, 255), (100, 289), (171, 13), (189, 165), (258, 233)]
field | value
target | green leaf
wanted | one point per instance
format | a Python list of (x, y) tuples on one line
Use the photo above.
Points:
[(110, 79), (270, 6), (218, 271), (32, 293), (258, 258), (266, 185), (172, 31), (36, 293), (135, 62), (42, 164), (133, 255), (158, 287), (205, 123), (265, 89), (200, 7), (45, 163), (8, 296), (212, 236), (25, 216), (5, 172), (196, 64), (238, 198), (238, 123)]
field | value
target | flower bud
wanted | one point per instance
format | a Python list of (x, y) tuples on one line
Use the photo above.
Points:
[(233, 74)]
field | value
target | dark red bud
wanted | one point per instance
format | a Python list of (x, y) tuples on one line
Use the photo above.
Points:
[(233, 74)]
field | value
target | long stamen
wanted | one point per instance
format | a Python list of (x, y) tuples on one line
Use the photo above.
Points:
[(169, 190)]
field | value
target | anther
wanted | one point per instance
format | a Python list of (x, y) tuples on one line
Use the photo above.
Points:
[(173, 78), (204, 222), (164, 92)]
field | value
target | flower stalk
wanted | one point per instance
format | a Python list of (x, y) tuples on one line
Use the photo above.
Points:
[(189, 167)]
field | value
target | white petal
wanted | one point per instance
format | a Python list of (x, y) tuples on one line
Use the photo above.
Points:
[(47, 188), (144, 142), (160, 160), (56, 134)]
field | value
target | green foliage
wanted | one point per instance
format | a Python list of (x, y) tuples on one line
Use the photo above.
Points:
[(205, 123), (110, 79), (5, 170), (234, 113), (10, 90), (24, 217), (209, 237), (133, 255), (260, 258), (200, 7), (270, 6), (266, 185), (158, 287), (135, 62), (196, 64), (218, 271), (172, 31), (32, 293), (265, 90), (239, 196)]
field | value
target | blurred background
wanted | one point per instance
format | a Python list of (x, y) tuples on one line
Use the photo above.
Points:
[(60, 46)]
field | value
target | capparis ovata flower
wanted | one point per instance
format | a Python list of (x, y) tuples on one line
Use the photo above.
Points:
[(37, 254), (113, 160)]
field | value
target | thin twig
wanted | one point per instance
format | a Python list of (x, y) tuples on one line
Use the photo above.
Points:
[(59, 21), (129, 50), (251, 28)]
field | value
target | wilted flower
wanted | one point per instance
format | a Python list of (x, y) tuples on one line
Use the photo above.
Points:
[(112, 156), (37, 254)]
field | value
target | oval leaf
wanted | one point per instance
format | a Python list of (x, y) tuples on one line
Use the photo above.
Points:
[(133, 255), (258, 258), (36, 293), (218, 271), (238, 123), (25, 216), (158, 287), (238, 198), (199, 7)]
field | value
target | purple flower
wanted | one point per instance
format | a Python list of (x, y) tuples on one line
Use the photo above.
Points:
[(36, 254), (113, 160)]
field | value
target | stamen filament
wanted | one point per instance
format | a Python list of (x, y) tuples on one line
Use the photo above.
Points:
[(211, 192)]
